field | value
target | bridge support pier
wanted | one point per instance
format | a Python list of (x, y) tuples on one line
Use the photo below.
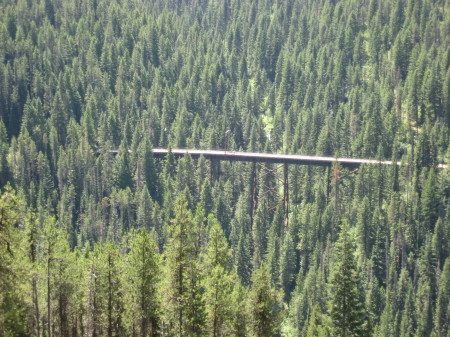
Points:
[(328, 183), (253, 192), (286, 195)]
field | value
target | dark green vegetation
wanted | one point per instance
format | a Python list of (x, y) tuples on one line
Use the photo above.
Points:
[(98, 244)]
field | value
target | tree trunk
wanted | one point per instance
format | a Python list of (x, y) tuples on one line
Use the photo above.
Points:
[(110, 324), (49, 329), (36, 306)]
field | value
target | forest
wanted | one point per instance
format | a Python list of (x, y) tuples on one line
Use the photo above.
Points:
[(100, 238)]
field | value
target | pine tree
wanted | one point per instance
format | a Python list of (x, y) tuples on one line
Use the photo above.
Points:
[(142, 278), (347, 309), (62, 286), (239, 318), (59, 117), (240, 238), (122, 168), (242, 259), (430, 201), (32, 234), (259, 230), (206, 197), (12, 306), (408, 319), (3, 154), (151, 172), (105, 302), (114, 292), (217, 281), (144, 208), (79, 280), (181, 289), (287, 266), (364, 228), (441, 241), (273, 253), (442, 317), (317, 324), (263, 306)]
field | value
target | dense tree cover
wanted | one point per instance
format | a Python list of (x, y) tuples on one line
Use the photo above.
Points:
[(96, 243)]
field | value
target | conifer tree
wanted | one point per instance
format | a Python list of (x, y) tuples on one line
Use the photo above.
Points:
[(273, 253), (151, 172), (217, 281), (430, 201), (347, 309), (62, 286), (122, 168), (3, 153), (183, 314), (142, 278), (287, 265), (442, 317), (239, 317), (408, 321), (114, 290), (12, 308), (144, 208), (441, 241), (263, 306), (105, 302), (206, 197), (317, 326), (259, 230), (243, 258)]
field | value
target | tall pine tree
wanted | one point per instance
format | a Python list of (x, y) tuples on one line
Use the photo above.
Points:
[(347, 309)]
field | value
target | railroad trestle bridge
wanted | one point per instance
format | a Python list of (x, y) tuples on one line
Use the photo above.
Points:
[(255, 158)]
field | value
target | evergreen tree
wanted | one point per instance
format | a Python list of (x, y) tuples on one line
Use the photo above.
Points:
[(430, 201), (347, 308), (105, 302), (181, 288), (287, 265), (263, 305), (3, 154), (242, 259), (151, 173), (442, 317), (122, 168), (12, 306), (239, 319), (206, 197), (317, 324), (218, 281), (441, 242), (142, 278)]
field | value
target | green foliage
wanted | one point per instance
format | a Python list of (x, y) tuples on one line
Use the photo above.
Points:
[(317, 325), (263, 304), (183, 301), (105, 299), (347, 307), (142, 277), (359, 79), (218, 281), (12, 273), (442, 317), (122, 171)]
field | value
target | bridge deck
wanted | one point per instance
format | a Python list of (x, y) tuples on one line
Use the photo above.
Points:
[(268, 157), (272, 158)]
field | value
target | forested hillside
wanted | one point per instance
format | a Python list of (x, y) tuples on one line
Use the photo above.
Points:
[(94, 243)]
